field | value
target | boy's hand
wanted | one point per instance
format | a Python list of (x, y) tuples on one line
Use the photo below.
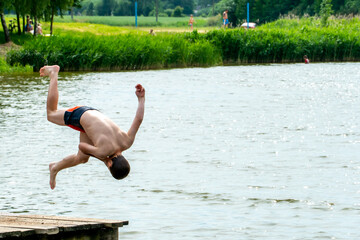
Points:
[(140, 91)]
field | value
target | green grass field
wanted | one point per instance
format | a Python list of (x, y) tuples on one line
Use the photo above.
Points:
[(129, 21)]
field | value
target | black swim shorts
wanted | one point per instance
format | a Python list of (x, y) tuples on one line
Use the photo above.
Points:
[(72, 117)]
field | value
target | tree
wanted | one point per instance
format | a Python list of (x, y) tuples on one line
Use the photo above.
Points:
[(76, 4), (58, 6), (188, 6), (3, 4), (90, 10), (317, 4), (124, 8), (106, 7), (325, 11), (352, 6), (178, 11), (20, 9), (157, 9)]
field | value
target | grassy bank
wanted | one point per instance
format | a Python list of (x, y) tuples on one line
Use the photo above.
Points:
[(7, 69), (285, 40)]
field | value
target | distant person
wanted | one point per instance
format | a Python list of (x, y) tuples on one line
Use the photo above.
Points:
[(225, 18), (306, 59), (39, 29), (30, 28), (191, 22), (27, 23), (100, 137), (152, 32)]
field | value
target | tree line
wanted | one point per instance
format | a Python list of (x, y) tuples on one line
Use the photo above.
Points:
[(261, 10), (36, 9), (144, 7)]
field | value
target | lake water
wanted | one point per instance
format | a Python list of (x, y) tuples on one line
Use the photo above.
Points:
[(242, 152)]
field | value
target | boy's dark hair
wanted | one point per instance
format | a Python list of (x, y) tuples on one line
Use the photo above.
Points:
[(120, 167)]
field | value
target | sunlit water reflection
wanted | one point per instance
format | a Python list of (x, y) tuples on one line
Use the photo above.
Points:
[(245, 152)]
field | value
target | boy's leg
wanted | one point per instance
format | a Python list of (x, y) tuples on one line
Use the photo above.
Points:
[(53, 114), (69, 161)]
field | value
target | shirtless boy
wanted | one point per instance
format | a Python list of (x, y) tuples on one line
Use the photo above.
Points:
[(191, 21), (100, 137)]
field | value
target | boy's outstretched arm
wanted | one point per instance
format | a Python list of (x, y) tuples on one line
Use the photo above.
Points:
[(140, 93)]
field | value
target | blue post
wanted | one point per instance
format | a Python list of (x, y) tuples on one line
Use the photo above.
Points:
[(248, 15), (135, 13)]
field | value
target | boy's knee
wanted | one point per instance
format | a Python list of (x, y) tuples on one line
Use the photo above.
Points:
[(82, 159)]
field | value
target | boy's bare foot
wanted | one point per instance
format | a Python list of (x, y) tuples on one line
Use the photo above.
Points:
[(47, 70), (52, 175)]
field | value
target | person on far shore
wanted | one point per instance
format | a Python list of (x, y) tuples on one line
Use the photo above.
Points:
[(27, 23), (191, 22), (225, 18), (306, 59), (39, 29), (29, 26), (152, 32)]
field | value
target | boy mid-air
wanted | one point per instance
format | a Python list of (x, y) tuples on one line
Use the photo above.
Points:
[(100, 137)]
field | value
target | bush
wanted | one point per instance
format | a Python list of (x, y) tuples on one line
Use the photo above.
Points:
[(178, 11), (169, 12), (214, 21), (163, 14)]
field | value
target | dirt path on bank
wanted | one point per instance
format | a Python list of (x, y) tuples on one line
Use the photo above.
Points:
[(4, 48)]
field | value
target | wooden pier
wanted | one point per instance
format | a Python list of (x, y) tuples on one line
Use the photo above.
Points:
[(39, 227)]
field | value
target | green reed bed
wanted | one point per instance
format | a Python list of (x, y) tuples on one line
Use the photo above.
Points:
[(271, 43), (121, 52), (279, 42)]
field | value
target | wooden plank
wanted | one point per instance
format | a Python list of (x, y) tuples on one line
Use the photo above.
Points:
[(21, 226), (52, 223), (49, 230), (104, 222), (15, 232)]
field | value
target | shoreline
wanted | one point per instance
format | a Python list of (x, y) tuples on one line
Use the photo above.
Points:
[(66, 71)]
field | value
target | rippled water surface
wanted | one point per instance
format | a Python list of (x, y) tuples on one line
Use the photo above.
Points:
[(245, 152)]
